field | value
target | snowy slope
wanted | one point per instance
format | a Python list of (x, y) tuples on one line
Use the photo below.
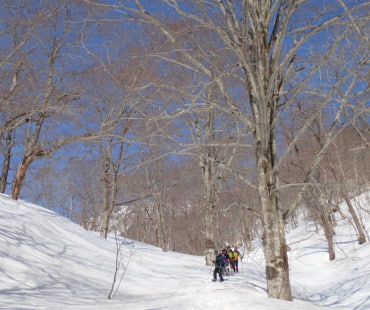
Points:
[(48, 262)]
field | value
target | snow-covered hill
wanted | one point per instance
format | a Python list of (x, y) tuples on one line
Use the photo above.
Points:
[(48, 262)]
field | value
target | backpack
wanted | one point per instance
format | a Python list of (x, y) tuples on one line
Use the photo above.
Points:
[(236, 255), (220, 261), (225, 259)]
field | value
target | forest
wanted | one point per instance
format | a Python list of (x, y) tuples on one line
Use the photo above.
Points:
[(188, 123)]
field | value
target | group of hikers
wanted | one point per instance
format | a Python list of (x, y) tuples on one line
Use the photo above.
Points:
[(225, 261)]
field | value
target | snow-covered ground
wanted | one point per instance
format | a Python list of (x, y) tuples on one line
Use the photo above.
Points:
[(48, 262)]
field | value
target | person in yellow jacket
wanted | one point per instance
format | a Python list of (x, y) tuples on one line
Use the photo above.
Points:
[(236, 256), (230, 255)]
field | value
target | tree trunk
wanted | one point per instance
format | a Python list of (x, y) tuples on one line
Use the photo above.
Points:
[(106, 215), (246, 231), (20, 175), (324, 215), (360, 230), (6, 163), (162, 234), (209, 215), (209, 236), (106, 208), (211, 175), (110, 192), (274, 243)]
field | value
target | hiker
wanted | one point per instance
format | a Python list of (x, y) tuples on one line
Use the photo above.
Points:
[(219, 263), (226, 268), (236, 255), (231, 257)]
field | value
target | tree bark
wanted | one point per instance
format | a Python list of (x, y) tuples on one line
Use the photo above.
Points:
[(209, 208), (6, 162), (162, 235), (21, 174), (324, 214), (110, 181), (351, 209), (274, 242)]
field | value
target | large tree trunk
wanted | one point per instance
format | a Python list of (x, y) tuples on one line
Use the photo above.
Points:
[(274, 242)]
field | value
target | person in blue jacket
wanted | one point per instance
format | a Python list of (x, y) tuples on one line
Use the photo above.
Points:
[(219, 264)]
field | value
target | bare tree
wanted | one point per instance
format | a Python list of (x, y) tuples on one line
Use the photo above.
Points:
[(16, 30), (43, 92), (215, 145), (120, 269), (341, 178), (116, 107)]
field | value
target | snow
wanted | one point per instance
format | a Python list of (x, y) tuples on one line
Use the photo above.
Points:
[(48, 262)]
